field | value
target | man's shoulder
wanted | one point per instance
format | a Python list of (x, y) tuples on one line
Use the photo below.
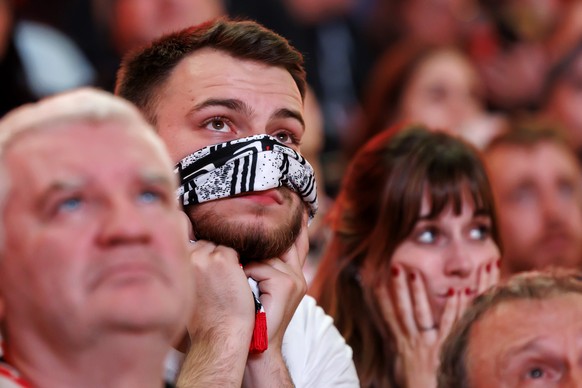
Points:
[(10, 377), (316, 353), (309, 323)]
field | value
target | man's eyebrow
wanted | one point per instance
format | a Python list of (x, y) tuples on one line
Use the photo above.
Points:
[(57, 187), (285, 113), (65, 185), (229, 103), (535, 344), (154, 178), (241, 107)]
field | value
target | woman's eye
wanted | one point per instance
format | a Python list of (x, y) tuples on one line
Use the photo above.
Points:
[(535, 373), (480, 232), (427, 236), (217, 124)]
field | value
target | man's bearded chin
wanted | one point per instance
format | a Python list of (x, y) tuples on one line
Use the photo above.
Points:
[(253, 241)]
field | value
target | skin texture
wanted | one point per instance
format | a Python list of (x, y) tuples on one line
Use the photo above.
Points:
[(436, 271), (541, 352), (100, 243), (537, 191), (211, 98)]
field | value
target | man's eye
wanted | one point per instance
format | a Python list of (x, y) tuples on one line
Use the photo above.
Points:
[(535, 373), (217, 124), (566, 189), (149, 196), (69, 204), (286, 138), (524, 195)]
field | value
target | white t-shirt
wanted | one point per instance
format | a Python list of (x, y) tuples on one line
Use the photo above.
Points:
[(316, 354)]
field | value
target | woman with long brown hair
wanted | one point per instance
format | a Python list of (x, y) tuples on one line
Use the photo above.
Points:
[(414, 238)]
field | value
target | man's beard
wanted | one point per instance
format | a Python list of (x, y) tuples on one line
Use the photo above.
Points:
[(253, 241)]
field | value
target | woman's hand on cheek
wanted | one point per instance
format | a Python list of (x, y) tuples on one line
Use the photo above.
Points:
[(405, 307), (488, 275)]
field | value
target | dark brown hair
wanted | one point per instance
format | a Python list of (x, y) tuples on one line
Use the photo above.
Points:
[(377, 208), (144, 72)]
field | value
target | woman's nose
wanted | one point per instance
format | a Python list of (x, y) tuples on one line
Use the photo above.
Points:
[(458, 261)]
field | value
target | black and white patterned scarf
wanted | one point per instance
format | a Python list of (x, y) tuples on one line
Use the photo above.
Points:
[(254, 163)]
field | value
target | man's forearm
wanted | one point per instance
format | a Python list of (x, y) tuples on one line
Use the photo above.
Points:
[(267, 370), (214, 360)]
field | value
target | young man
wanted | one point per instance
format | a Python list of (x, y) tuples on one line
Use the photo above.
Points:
[(536, 182), (526, 333), (230, 83), (95, 280)]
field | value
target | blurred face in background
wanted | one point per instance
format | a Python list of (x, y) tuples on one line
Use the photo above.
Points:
[(443, 92), (565, 100), (5, 25), (312, 12), (537, 191), (137, 22), (437, 21)]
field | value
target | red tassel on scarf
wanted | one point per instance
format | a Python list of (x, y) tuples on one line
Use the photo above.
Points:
[(260, 339)]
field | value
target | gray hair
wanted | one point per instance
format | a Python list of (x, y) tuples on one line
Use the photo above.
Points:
[(76, 106)]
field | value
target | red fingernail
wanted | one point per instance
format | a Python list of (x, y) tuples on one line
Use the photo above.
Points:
[(451, 292), (412, 276), (467, 291), (488, 267), (395, 271)]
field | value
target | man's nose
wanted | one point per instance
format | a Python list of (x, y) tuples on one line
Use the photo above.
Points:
[(573, 378), (124, 221), (555, 209)]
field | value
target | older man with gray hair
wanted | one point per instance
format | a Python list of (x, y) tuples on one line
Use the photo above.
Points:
[(526, 332), (95, 280)]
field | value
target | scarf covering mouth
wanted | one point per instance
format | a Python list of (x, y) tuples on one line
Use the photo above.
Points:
[(255, 163)]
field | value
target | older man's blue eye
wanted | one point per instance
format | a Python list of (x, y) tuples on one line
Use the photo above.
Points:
[(70, 204), (149, 197)]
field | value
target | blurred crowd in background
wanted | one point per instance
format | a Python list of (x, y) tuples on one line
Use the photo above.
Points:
[(470, 67)]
